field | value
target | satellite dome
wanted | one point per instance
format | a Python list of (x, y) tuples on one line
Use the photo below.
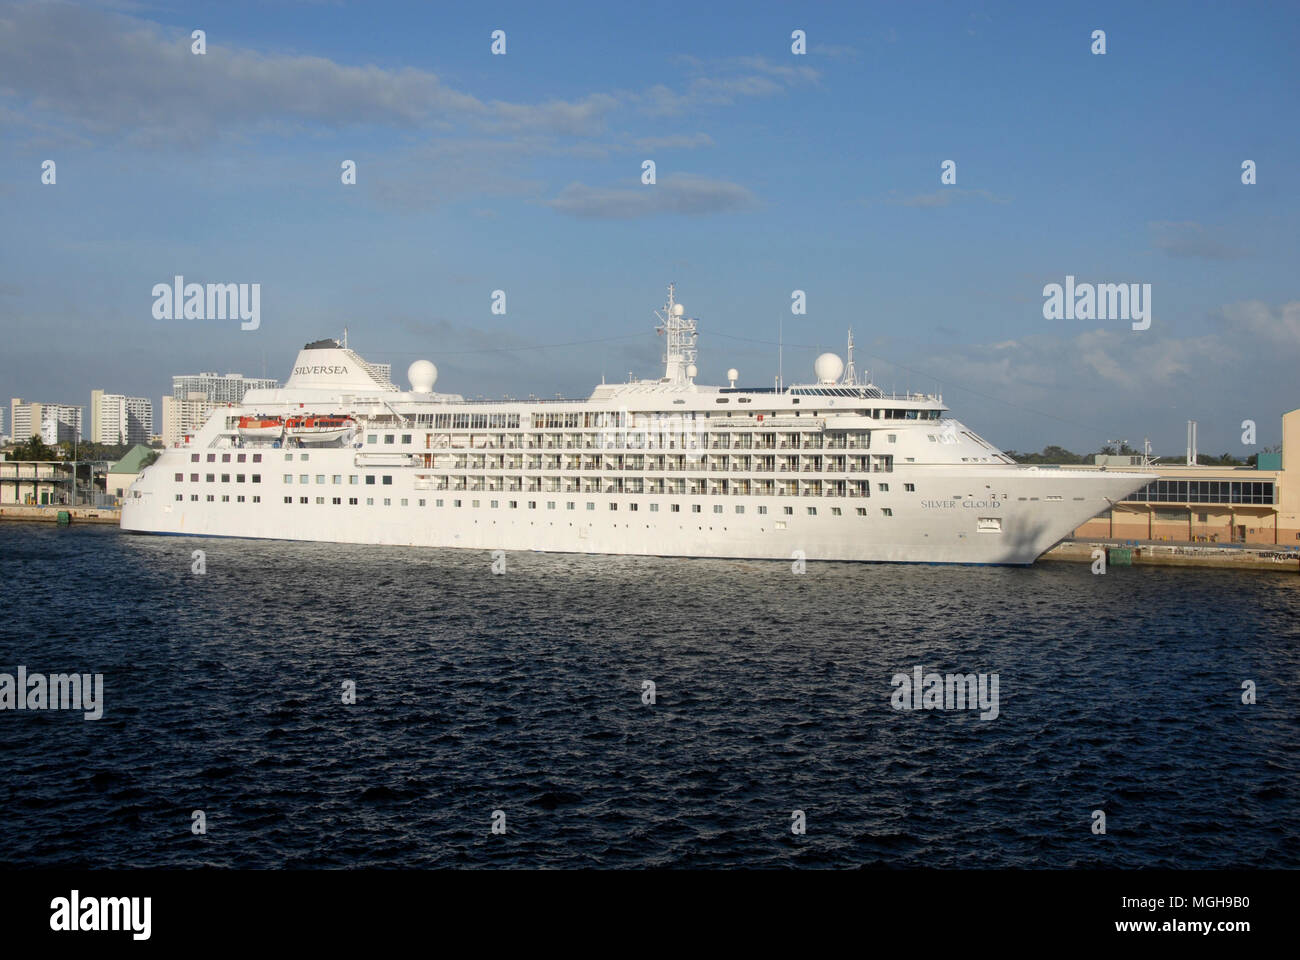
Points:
[(422, 374), (733, 375), (678, 309), (692, 371), (828, 368)]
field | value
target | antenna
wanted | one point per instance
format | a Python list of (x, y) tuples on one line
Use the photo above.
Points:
[(850, 378), (345, 338), (780, 352)]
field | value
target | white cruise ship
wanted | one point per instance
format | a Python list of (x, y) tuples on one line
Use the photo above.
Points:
[(831, 470)]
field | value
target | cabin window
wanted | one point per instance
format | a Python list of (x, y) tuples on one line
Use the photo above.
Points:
[(388, 438), (370, 479), (886, 511), (257, 478), (406, 438), (320, 478), (388, 479)]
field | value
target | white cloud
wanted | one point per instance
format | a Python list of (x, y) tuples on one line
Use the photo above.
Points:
[(675, 194)]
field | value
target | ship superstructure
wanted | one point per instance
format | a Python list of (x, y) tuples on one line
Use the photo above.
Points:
[(830, 470)]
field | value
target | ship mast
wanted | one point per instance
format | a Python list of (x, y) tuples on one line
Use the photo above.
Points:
[(680, 337), (850, 378)]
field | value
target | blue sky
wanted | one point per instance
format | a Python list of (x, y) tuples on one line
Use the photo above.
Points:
[(775, 172)]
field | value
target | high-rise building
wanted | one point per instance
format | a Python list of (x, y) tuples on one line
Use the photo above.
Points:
[(115, 419), (218, 388), (54, 422), (182, 418)]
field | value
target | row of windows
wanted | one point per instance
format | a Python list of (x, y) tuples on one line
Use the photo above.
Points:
[(225, 457), (225, 498), (212, 478), (1206, 491), (532, 505), (683, 439), (387, 480)]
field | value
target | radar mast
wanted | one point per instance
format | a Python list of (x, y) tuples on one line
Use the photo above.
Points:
[(679, 346)]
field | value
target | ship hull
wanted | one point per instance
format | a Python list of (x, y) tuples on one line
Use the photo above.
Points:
[(998, 515)]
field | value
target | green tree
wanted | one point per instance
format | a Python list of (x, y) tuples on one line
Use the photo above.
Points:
[(33, 449)]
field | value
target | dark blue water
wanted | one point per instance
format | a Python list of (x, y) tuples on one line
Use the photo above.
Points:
[(522, 693)]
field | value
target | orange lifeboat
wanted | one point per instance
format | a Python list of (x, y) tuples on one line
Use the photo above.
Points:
[(319, 429), (261, 428)]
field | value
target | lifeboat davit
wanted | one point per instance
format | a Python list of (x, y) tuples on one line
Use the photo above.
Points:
[(263, 428), (319, 429)]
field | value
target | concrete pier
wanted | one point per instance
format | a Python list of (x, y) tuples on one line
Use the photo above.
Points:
[(1152, 553), (51, 514)]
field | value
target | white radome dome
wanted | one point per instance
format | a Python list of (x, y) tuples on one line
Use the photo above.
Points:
[(828, 368), (678, 309), (733, 375), (422, 375), (692, 371)]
